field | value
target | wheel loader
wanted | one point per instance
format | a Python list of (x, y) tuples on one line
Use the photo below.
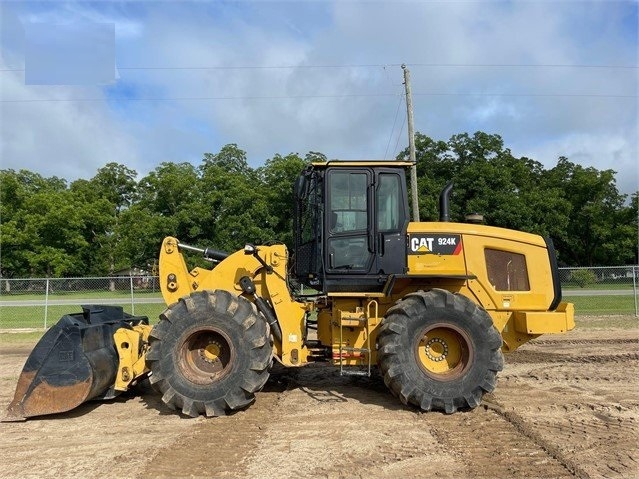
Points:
[(430, 306)]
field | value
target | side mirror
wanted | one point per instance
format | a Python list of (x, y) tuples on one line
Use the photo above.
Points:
[(250, 249), (300, 187)]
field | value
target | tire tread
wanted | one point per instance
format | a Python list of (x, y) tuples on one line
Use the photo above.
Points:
[(255, 344), (392, 346)]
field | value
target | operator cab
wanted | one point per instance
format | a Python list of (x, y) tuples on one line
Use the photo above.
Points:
[(350, 225)]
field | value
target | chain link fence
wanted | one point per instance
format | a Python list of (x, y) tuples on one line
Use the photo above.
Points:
[(611, 290), (41, 302)]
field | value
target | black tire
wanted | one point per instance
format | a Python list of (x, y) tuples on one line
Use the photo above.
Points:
[(209, 354), (439, 351)]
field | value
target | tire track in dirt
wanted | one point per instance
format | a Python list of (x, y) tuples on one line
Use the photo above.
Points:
[(493, 445), (320, 425), (572, 342), (581, 407), (536, 357), (329, 434), (567, 414), (573, 375), (590, 442), (560, 409), (216, 447), (335, 426), (532, 432)]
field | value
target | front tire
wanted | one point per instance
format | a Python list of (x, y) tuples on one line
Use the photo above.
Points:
[(209, 354), (439, 351)]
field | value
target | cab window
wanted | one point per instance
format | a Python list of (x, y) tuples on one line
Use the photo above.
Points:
[(348, 202), (388, 202)]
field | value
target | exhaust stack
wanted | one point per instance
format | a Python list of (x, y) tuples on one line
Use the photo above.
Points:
[(444, 213)]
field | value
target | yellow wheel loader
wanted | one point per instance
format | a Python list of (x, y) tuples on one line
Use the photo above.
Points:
[(430, 305)]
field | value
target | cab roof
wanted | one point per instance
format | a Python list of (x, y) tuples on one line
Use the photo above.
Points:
[(363, 163)]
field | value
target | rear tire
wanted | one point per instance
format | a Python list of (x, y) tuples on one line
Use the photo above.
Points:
[(439, 351), (209, 354)]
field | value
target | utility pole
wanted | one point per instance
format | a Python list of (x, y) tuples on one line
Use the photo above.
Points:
[(411, 143)]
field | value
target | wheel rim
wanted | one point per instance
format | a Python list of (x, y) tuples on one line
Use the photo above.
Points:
[(206, 356), (444, 351)]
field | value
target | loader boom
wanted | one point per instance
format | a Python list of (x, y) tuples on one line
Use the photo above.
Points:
[(177, 281)]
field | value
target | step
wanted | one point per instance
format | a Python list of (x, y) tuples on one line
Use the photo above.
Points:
[(357, 350), (352, 322), (347, 372)]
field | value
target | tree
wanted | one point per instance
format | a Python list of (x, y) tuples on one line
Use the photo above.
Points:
[(170, 203), (487, 179), (142, 232), (51, 222), (579, 207), (583, 277), (279, 175), (112, 221), (230, 158), (117, 184), (26, 199), (101, 201), (632, 218), (598, 231)]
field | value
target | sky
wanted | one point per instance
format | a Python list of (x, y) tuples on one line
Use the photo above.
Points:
[(83, 84)]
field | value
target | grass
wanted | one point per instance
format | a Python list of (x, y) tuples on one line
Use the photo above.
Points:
[(20, 337), (602, 305), (598, 286), (607, 322), (33, 316), (80, 295)]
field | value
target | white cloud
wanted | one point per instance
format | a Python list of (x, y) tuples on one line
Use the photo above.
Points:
[(59, 138), (593, 129)]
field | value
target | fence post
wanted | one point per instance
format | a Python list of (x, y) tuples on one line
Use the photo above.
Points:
[(46, 303), (634, 289), (132, 303)]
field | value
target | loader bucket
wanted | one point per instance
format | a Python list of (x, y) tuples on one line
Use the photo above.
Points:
[(74, 362)]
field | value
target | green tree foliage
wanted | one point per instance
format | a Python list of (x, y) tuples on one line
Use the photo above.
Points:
[(600, 228), (113, 221), (631, 217), (102, 201), (38, 224), (234, 196), (278, 176)]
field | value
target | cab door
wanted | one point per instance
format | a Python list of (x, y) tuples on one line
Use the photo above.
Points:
[(391, 221), (365, 222), (350, 239)]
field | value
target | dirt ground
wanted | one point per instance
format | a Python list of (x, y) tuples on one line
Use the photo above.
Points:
[(564, 406)]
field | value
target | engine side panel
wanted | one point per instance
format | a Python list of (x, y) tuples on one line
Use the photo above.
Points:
[(508, 272)]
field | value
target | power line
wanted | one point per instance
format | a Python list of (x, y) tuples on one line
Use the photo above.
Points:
[(550, 95), (203, 98), (238, 67), (522, 65), (390, 137), (364, 65), (342, 95), (399, 135)]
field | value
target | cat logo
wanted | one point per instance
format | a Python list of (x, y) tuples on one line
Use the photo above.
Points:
[(434, 244), (421, 245)]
